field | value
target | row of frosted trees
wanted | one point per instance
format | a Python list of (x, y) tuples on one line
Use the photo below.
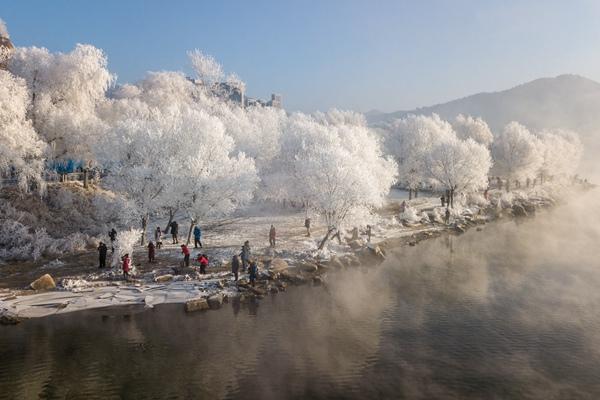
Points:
[(169, 144), (462, 154)]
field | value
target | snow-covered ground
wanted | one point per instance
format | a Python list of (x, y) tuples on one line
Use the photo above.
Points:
[(222, 241)]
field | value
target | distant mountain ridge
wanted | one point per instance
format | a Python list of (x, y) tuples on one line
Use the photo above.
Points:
[(566, 102)]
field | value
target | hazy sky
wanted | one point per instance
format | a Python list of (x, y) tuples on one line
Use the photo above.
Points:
[(360, 55)]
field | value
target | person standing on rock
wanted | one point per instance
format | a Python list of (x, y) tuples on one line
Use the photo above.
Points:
[(186, 255), (253, 272), (102, 250), (245, 255), (197, 237), (113, 237), (307, 226), (447, 216), (151, 252), (174, 231), (126, 266), (272, 235), (235, 266)]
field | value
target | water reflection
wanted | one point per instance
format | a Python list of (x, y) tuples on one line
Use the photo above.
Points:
[(505, 312)]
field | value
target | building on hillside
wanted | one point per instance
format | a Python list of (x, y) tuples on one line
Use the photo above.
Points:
[(6, 48)]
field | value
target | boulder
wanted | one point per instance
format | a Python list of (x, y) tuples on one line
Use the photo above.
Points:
[(317, 281), (273, 290), (8, 318), (45, 282), (196, 305), (277, 265), (163, 278), (215, 301), (309, 266)]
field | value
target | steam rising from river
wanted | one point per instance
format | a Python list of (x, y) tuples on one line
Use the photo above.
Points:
[(509, 311)]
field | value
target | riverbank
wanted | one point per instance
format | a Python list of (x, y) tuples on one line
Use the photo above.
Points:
[(294, 261)]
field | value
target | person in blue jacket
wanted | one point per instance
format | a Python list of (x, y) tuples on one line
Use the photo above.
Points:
[(197, 237)]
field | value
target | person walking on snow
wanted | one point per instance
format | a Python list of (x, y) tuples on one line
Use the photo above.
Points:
[(113, 237), (307, 226), (126, 266), (197, 237), (151, 252), (235, 266), (102, 250), (174, 231), (272, 235), (245, 255), (157, 237), (447, 216), (186, 255), (203, 260)]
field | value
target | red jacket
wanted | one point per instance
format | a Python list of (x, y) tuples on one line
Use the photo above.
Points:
[(203, 261), (185, 250), (126, 262)]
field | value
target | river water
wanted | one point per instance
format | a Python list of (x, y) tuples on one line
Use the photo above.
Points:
[(511, 311)]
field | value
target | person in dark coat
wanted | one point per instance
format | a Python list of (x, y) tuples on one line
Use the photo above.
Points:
[(113, 237), (245, 255), (235, 266), (197, 237), (443, 200), (102, 250), (253, 272), (272, 234), (307, 226), (151, 252), (186, 255), (174, 231), (447, 216)]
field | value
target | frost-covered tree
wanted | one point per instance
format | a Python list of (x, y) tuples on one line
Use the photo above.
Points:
[(410, 140), (458, 165), (516, 153), (562, 151), (475, 128), (65, 90), (336, 166), (207, 69), (21, 149)]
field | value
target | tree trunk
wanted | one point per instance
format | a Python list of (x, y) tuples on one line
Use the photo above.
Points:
[(85, 178), (325, 239), (409, 194), (144, 227), (451, 198), (189, 238), (416, 193)]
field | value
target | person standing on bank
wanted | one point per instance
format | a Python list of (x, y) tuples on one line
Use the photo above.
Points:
[(245, 255), (174, 231), (102, 250), (272, 235), (186, 255), (197, 237), (113, 237), (235, 266)]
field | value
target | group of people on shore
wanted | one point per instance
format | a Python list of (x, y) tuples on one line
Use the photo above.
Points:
[(243, 260)]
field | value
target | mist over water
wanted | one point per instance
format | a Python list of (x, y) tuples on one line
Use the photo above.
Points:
[(511, 311)]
